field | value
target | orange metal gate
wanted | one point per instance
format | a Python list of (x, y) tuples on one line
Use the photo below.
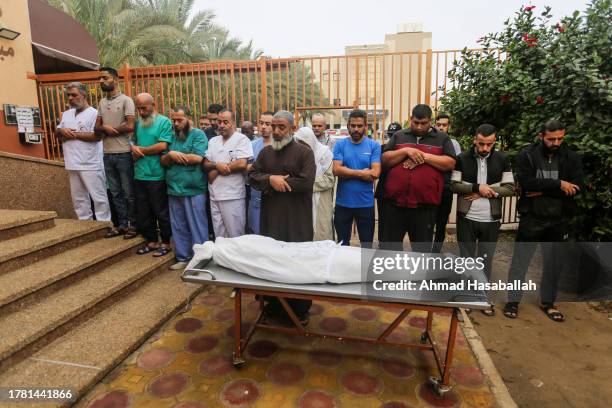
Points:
[(385, 85)]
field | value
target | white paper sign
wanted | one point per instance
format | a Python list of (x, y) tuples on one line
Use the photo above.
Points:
[(25, 119)]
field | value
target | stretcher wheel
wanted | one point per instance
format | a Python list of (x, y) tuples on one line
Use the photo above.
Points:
[(439, 389), (424, 338), (238, 362)]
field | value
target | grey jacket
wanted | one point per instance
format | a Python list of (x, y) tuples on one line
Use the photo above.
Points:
[(464, 180)]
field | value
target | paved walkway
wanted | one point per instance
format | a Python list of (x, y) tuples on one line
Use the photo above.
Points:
[(188, 364)]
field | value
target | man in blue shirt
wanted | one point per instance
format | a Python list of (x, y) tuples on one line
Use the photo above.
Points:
[(357, 165)]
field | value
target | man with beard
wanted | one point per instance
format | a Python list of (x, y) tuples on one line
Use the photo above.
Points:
[(319, 127), (226, 163), (83, 156), (416, 159), (357, 165), (247, 129), (482, 176), (550, 176), (115, 124), (153, 133), (213, 115), (186, 186), (203, 122), (285, 173), (265, 131)]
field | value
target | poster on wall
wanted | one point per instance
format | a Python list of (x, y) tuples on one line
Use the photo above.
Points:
[(25, 119), (36, 114), (10, 114)]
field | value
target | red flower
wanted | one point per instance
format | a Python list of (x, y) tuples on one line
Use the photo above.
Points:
[(539, 100), (529, 8), (531, 41), (505, 98), (560, 28)]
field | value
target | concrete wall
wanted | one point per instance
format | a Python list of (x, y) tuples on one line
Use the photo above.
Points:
[(34, 184), (15, 88)]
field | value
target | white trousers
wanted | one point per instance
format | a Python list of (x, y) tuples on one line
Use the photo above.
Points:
[(228, 217), (85, 184)]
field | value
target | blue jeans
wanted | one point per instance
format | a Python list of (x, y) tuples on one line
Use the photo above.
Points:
[(343, 221), (254, 211), (119, 169), (189, 223)]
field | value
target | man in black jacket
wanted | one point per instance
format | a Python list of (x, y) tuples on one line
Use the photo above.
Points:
[(550, 176), (482, 176)]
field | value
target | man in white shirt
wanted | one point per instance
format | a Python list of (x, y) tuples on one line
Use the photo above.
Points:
[(226, 163), (83, 156)]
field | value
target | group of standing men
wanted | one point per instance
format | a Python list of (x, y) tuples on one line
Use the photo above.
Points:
[(166, 175)]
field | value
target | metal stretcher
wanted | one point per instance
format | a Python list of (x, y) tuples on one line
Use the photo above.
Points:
[(353, 293)]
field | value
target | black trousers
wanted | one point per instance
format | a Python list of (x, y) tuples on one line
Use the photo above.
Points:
[(417, 222), (478, 239), (152, 210), (550, 233), (443, 212), (380, 208), (299, 306), (343, 221)]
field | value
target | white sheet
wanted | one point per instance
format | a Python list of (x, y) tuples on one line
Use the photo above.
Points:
[(301, 262)]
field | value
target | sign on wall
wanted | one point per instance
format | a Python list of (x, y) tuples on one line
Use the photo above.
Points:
[(10, 114), (25, 119)]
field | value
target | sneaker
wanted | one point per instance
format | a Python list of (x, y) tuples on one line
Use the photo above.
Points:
[(178, 266)]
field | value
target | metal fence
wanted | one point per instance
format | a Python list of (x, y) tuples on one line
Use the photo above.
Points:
[(385, 85)]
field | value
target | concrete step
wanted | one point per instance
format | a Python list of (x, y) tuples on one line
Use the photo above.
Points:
[(15, 223), (26, 329), (81, 358), (66, 234), (24, 285)]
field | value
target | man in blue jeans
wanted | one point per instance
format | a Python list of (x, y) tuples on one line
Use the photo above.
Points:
[(357, 165), (115, 123)]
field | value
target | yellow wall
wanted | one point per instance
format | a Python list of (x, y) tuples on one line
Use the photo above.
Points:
[(15, 88)]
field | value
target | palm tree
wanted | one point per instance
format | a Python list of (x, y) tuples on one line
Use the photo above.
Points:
[(154, 32)]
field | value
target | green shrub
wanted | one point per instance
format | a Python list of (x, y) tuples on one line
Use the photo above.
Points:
[(547, 69)]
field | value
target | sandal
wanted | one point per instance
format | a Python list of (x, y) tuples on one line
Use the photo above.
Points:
[(112, 233), (162, 251), (490, 312), (146, 249), (130, 233), (552, 313), (511, 310)]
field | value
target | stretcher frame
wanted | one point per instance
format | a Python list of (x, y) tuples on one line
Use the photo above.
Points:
[(440, 385)]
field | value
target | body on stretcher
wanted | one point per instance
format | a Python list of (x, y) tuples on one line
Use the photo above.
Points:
[(318, 262)]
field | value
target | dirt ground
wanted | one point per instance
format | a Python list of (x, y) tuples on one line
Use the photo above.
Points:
[(548, 364), (544, 363)]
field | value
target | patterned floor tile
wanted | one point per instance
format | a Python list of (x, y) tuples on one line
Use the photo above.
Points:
[(188, 364)]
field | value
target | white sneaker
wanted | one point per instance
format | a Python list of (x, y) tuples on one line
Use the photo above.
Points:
[(179, 265)]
